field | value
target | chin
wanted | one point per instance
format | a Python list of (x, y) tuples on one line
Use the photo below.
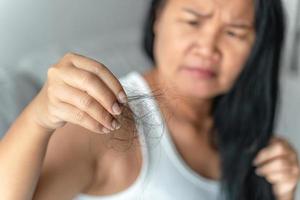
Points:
[(200, 92), (198, 87)]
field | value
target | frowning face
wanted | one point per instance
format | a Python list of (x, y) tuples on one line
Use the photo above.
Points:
[(201, 46)]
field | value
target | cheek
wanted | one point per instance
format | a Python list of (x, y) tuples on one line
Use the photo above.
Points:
[(234, 60), (170, 47)]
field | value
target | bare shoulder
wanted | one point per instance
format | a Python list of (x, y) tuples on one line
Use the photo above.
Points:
[(118, 159), (77, 158), (69, 163)]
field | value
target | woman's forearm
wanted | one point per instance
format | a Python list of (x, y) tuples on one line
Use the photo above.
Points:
[(22, 151)]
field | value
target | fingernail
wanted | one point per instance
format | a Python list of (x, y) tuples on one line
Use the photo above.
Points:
[(122, 97), (116, 109), (105, 130), (115, 124)]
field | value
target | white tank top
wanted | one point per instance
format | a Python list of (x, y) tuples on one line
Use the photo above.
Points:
[(164, 174)]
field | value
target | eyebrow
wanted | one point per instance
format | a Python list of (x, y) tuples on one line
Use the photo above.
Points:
[(198, 14), (208, 15), (240, 25)]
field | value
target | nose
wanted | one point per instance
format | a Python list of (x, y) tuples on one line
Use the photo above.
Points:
[(207, 43)]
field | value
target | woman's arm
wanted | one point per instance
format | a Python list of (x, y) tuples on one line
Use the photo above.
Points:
[(40, 166), (70, 163), (22, 152), (78, 90)]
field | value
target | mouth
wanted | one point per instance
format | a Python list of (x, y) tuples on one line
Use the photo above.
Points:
[(199, 72)]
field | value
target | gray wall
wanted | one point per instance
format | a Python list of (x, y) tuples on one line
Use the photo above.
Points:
[(31, 25)]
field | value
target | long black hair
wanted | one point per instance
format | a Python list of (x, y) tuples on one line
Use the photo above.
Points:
[(244, 117)]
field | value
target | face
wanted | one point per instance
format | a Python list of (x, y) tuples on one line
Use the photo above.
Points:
[(201, 46)]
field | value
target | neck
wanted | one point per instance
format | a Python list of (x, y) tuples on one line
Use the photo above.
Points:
[(184, 110)]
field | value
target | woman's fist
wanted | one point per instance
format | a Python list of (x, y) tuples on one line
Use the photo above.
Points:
[(81, 91), (279, 164)]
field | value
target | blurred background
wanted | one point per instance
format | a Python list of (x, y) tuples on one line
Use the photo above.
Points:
[(34, 34)]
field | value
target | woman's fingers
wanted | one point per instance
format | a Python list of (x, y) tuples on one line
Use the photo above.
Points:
[(87, 90), (67, 112), (284, 184), (280, 177), (102, 72), (278, 163), (92, 85), (85, 102), (274, 166), (275, 149)]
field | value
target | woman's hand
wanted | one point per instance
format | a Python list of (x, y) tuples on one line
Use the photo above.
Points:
[(81, 91), (279, 164)]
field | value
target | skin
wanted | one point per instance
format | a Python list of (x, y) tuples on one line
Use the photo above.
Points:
[(78, 118)]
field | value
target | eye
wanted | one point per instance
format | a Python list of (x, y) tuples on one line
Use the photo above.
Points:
[(193, 23), (231, 34), (234, 34)]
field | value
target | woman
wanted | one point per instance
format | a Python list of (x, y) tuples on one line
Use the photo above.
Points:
[(216, 65)]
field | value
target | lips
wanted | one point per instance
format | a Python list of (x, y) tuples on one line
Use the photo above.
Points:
[(200, 72)]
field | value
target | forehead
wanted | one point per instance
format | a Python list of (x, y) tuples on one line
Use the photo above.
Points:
[(232, 8)]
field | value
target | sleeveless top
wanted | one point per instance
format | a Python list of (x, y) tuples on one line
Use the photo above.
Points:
[(164, 175)]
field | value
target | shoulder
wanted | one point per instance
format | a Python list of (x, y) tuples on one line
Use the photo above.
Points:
[(68, 167), (76, 157)]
